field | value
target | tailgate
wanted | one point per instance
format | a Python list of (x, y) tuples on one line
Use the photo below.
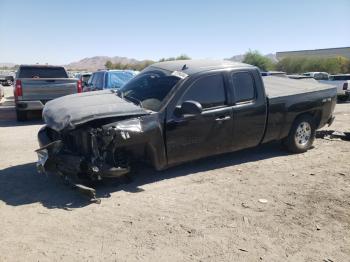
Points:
[(47, 89)]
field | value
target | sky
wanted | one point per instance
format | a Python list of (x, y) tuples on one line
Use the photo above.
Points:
[(60, 32)]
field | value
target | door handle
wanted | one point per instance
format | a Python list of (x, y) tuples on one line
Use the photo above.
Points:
[(178, 121), (223, 118)]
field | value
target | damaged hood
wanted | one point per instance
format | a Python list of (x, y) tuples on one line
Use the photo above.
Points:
[(69, 111)]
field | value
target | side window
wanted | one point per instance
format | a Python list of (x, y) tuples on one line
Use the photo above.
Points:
[(91, 80), (209, 91), (244, 87), (99, 80)]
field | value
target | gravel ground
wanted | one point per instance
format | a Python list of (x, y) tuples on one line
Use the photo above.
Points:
[(208, 210)]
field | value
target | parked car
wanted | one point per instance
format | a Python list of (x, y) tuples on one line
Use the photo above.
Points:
[(298, 77), (302, 77), (179, 111), (6, 80), (342, 82), (108, 79), (35, 85), (83, 78), (2, 92), (274, 73), (318, 75)]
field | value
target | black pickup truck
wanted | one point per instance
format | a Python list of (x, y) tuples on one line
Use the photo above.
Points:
[(179, 111)]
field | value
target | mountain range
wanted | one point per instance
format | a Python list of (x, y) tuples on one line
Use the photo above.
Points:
[(98, 62), (7, 65)]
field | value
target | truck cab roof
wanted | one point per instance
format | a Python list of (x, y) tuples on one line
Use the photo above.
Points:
[(41, 66), (191, 67)]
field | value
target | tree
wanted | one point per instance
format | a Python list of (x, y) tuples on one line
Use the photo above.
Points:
[(333, 65), (180, 57), (257, 59), (183, 57), (109, 65)]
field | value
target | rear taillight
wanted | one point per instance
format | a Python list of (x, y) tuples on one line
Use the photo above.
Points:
[(79, 86), (345, 86), (18, 89)]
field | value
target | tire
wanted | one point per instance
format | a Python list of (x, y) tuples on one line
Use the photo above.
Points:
[(302, 135), (21, 115)]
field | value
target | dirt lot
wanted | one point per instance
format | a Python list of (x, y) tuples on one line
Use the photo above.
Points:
[(207, 210)]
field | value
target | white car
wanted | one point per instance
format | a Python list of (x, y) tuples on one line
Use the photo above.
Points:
[(342, 82), (2, 92), (317, 75)]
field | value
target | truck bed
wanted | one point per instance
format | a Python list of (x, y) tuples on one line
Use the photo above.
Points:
[(288, 98), (281, 87)]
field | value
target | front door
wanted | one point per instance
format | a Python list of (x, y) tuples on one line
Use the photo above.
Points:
[(195, 136)]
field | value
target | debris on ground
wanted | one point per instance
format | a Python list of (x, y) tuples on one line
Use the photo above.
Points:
[(263, 201), (289, 204), (244, 205), (333, 135)]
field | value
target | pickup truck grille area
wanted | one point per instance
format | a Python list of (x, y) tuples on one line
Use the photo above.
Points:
[(78, 142), (52, 134)]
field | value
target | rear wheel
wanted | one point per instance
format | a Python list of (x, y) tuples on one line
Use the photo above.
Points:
[(302, 134), (21, 115)]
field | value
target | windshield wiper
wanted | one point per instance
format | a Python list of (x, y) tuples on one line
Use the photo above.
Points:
[(132, 99)]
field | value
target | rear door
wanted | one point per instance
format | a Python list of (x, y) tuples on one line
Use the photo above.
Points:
[(193, 137), (249, 110), (45, 83), (98, 80)]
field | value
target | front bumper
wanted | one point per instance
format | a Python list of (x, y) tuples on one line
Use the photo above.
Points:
[(29, 105), (47, 156), (43, 155), (54, 157)]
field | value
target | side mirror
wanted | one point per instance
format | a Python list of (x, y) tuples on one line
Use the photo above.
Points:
[(189, 108)]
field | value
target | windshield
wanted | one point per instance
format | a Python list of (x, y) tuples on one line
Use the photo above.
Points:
[(85, 78), (42, 72), (118, 79), (149, 88), (339, 77)]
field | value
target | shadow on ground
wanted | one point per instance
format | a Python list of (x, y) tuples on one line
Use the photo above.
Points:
[(8, 117), (343, 101), (21, 185)]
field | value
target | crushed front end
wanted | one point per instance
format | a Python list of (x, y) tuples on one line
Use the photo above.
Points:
[(86, 154)]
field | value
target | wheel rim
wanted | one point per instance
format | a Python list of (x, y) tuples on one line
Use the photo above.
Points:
[(303, 134)]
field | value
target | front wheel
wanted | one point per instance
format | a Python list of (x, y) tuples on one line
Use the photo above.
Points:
[(302, 135)]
